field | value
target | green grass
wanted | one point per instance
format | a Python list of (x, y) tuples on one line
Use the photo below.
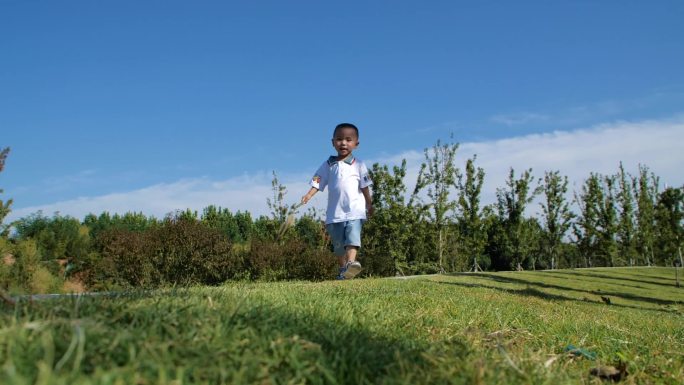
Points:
[(488, 328)]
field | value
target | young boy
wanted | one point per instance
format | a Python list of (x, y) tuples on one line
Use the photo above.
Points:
[(349, 198)]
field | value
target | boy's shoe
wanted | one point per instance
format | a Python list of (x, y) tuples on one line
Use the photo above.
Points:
[(340, 275), (351, 270)]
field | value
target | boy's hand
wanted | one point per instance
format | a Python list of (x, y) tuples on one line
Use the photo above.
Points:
[(306, 198), (369, 211)]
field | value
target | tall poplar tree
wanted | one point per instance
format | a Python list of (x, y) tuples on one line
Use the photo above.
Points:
[(607, 223), (597, 225), (670, 224), (438, 174), (388, 236), (4, 206), (645, 187), (471, 224), (626, 228), (4, 229), (556, 214), (585, 227), (518, 232)]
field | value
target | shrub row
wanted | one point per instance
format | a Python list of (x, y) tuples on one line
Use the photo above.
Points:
[(183, 252)]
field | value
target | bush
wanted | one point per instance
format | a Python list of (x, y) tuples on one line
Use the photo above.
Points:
[(179, 252), (43, 281), (378, 263), (419, 268), (185, 251), (312, 232), (267, 260), (314, 264), (189, 252), (125, 260), (27, 261), (270, 261)]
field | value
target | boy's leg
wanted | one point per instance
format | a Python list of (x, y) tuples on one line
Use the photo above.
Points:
[(342, 260), (352, 268), (350, 253), (352, 245), (336, 232)]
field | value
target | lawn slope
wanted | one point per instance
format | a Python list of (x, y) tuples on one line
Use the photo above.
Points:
[(484, 328)]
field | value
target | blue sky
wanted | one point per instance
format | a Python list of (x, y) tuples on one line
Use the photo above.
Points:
[(160, 105)]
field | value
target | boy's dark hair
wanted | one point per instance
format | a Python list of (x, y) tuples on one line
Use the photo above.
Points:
[(346, 125)]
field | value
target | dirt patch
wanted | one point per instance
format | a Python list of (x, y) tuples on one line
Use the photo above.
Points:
[(72, 285), (8, 259)]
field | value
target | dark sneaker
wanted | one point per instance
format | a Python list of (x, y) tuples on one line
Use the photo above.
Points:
[(340, 275), (352, 269)]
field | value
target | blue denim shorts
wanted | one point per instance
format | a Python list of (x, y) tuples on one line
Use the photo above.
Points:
[(345, 234)]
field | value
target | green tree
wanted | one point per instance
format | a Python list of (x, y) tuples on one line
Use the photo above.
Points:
[(585, 227), (556, 214), (608, 223), (245, 225), (4, 206), (4, 211), (596, 226), (131, 221), (56, 237), (222, 220), (438, 174), (388, 236), (518, 237), (27, 263), (645, 188), (311, 231), (626, 227), (185, 215), (670, 225), (471, 224)]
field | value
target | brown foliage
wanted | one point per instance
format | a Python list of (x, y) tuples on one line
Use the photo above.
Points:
[(293, 259), (177, 252)]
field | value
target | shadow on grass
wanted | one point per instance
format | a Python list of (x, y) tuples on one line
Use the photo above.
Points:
[(282, 340), (620, 278), (350, 352), (532, 292), (658, 277), (569, 277), (355, 354), (627, 296)]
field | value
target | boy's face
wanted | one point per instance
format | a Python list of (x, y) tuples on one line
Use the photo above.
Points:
[(345, 141)]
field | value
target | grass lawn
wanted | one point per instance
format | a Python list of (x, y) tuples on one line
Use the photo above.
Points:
[(485, 328)]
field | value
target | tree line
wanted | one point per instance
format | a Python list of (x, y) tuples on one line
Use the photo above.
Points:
[(440, 225), (613, 220)]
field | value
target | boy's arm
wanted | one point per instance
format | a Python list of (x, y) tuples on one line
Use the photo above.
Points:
[(309, 195), (369, 200)]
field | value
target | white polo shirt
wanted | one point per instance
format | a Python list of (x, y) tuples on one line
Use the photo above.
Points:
[(344, 180)]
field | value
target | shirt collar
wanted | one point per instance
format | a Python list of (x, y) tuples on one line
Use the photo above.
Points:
[(348, 160)]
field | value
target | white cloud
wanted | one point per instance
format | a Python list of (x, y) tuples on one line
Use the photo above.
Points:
[(655, 143), (65, 182), (519, 118), (246, 193)]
